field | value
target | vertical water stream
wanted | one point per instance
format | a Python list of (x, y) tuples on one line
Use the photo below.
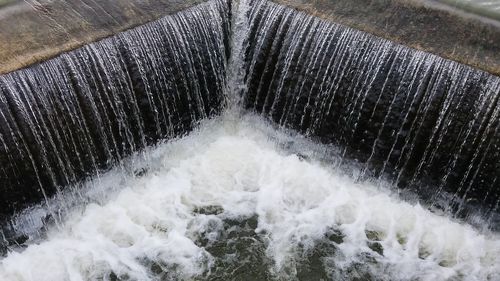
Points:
[(242, 197), (79, 113), (422, 122)]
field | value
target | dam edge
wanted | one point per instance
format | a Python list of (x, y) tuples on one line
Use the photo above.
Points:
[(33, 34)]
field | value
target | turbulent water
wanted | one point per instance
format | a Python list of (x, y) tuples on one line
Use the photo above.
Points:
[(409, 140), (79, 113), (238, 200), (409, 116)]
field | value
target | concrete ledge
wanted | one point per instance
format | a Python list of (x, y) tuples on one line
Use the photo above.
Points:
[(431, 26), (34, 31), (487, 8), (464, 31)]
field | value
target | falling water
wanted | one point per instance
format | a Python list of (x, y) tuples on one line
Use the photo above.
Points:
[(418, 120), (236, 65), (77, 114), (303, 191), (239, 200)]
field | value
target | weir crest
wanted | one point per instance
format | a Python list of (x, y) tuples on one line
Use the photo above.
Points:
[(389, 114)]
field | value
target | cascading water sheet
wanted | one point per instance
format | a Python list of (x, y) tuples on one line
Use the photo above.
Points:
[(239, 200), (244, 196), (422, 122), (77, 114)]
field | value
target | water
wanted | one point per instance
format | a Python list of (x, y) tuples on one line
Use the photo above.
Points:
[(365, 160), (422, 122), (236, 86), (239, 200), (76, 115)]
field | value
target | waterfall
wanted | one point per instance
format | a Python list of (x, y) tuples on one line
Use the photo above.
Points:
[(77, 114), (422, 122), (237, 199), (290, 145), (236, 87)]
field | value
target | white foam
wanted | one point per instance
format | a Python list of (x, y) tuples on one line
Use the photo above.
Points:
[(239, 164)]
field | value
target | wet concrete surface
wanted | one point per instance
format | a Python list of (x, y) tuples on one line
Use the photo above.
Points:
[(33, 31), (454, 33)]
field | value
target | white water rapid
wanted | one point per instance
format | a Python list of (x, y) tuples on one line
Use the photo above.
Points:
[(237, 194)]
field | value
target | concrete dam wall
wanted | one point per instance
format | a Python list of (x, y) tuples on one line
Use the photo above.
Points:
[(420, 109), (79, 113)]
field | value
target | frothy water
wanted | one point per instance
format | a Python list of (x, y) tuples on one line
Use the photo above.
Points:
[(409, 116), (238, 200), (79, 113)]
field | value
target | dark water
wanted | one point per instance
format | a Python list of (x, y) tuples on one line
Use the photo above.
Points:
[(425, 123)]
